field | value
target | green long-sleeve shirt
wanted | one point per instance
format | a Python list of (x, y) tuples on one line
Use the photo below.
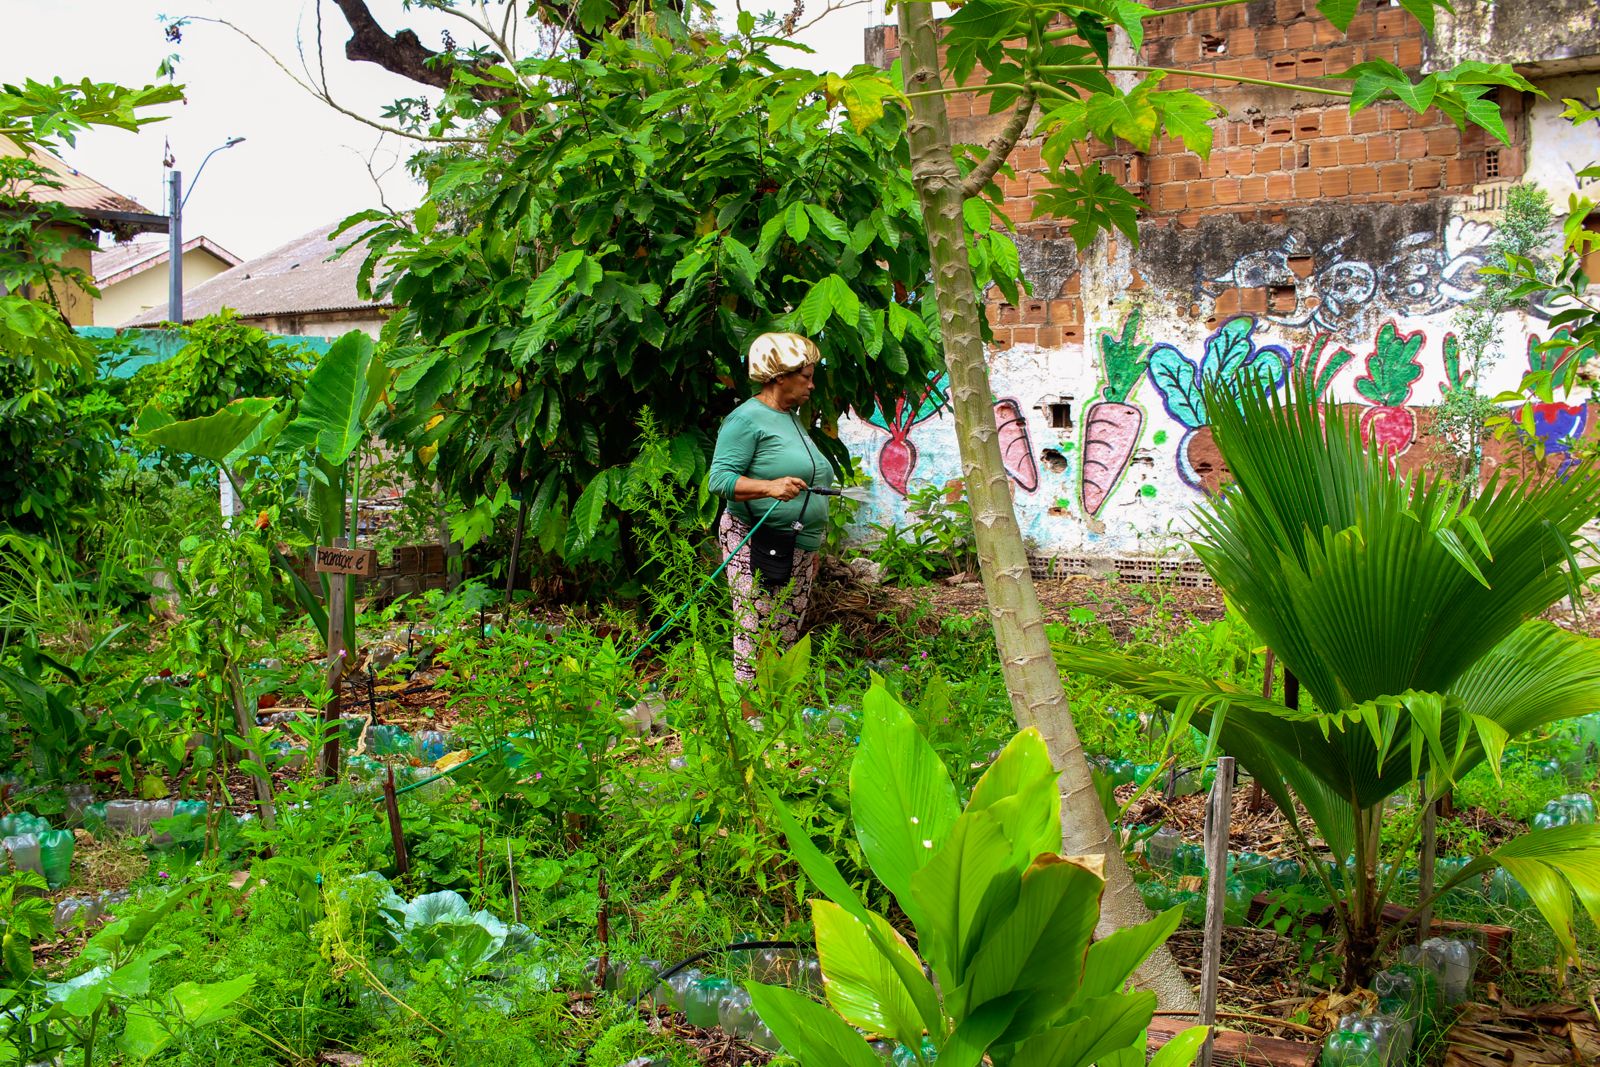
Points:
[(758, 442)]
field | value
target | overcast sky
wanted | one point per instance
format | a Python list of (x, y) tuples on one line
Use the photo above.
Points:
[(302, 165)]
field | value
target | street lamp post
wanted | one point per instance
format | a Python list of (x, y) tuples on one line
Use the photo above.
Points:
[(176, 198)]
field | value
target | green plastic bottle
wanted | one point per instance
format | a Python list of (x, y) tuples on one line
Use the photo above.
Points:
[(701, 1001), (55, 856)]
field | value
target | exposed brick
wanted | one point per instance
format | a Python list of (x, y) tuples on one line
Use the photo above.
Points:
[(1335, 183), (1279, 131), (1393, 22), (1226, 191), (1336, 122), (1271, 159), (1396, 118), (1461, 171), (1367, 120), (1324, 153), (1444, 142), (1307, 124), (1228, 302), (1186, 167), (1412, 144), (1160, 170), (1279, 187), (1428, 174), (1253, 190), (1269, 39), (1249, 134), (1363, 180), (1301, 33), (1380, 149), (1394, 178), (1352, 150), (1051, 336), (1311, 66), (1408, 53), (1169, 197), (1035, 312), (1025, 335), (1065, 312), (1200, 194)]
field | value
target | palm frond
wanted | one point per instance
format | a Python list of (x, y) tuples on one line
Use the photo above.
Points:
[(1364, 583), (1553, 866)]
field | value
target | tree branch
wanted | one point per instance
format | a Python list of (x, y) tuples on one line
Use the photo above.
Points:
[(401, 53), (1000, 147)]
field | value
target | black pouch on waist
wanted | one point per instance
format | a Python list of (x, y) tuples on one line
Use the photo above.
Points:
[(772, 553)]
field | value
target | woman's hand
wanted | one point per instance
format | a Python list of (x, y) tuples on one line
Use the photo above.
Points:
[(786, 488)]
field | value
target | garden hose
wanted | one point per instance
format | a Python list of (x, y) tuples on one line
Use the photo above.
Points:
[(737, 946), (635, 655)]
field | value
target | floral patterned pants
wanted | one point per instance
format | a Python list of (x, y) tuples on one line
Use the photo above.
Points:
[(756, 609)]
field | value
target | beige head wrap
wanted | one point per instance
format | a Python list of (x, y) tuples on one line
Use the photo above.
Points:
[(776, 354)]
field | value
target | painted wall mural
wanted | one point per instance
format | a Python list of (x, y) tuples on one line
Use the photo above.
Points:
[(1230, 355), (1392, 372), (1111, 426), (897, 459), (1016, 445), (1342, 292)]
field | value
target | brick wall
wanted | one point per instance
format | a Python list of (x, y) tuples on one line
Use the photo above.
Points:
[(1275, 150)]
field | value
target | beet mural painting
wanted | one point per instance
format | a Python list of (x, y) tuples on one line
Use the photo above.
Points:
[(1555, 425), (898, 456), (1112, 425), (1392, 371), (1230, 355)]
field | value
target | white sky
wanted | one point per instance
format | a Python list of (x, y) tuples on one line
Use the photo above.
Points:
[(302, 164)]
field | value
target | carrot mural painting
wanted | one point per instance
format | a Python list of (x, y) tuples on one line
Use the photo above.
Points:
[(1112, 425), (898, 457), (1230, 355), (1016, 446), (1392, 370)]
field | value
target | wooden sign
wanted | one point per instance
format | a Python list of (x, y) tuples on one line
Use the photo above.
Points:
[(362, 562)]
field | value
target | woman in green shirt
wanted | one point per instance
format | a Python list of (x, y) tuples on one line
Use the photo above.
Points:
[(763, 455)]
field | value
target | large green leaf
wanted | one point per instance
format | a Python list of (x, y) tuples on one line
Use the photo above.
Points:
[(339, 395), (863, 984), (215, 437), (962, 892), (901, 796), (1546, 863), (1109, 1023), (809, 1031), (1023, 762), (1039, 949), (189, 1005)]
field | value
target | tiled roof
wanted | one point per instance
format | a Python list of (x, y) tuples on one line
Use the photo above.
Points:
[(298, 278), (78, 191), (114, 264)]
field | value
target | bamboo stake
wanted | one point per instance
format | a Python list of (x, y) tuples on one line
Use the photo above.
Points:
[(1218, 820)]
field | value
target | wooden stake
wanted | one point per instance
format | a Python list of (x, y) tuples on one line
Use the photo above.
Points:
[(1425, 868), (516, 550), (1258, 796), (1218, 820), (604, 923), (401, 862), (338, 658)]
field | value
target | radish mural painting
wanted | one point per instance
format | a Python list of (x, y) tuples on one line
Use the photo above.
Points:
[(898, 456), (1230, 355), (1111, 426), (1393, 368)]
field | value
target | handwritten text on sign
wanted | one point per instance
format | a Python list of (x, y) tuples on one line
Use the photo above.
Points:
[(358, 561)]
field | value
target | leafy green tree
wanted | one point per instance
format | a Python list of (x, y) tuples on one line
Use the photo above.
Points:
[(671, 197), (58, 422), (1312, 545), (1058, 56), (222, 360)]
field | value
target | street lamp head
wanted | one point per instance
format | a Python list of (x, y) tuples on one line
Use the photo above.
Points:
[(232, 141)]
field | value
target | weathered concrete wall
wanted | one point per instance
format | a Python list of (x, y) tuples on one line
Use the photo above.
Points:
[(1309, 237)]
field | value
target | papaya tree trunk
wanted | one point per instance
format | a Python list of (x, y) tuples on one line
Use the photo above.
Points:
[(1032, 678)]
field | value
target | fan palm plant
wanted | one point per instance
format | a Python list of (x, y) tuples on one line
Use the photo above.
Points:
[(1408, 610)]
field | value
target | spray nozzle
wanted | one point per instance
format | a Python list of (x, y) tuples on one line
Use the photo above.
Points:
[(859, 493)]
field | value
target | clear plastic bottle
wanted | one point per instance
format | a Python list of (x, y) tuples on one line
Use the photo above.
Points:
[(24, 850), (1346, 1048), (1161, 848), (674, 992), (22, 822), (1237, 903), (702, 1001), (735, 1013), (1580, 807), (1456, 960), (808, 975)]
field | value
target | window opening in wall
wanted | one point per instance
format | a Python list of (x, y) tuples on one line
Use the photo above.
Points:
[(1282, 298), (1214, 44), (1491, 163), (1054, 459), (1059, 414)]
